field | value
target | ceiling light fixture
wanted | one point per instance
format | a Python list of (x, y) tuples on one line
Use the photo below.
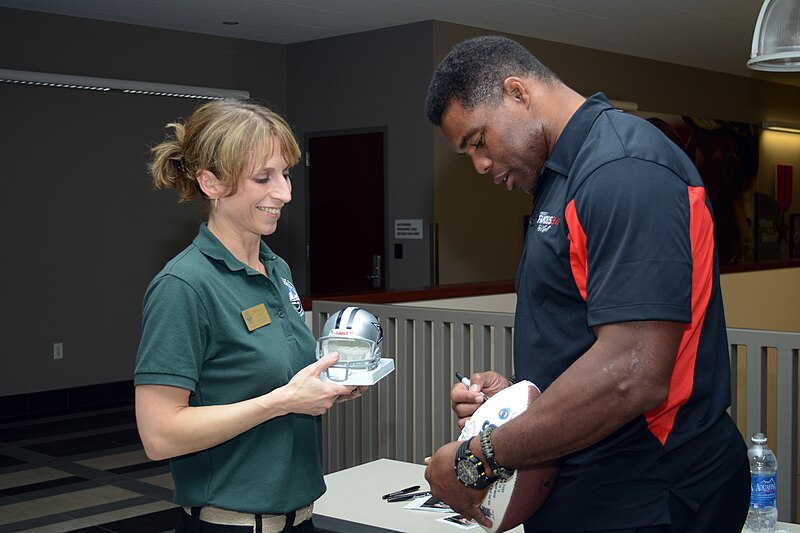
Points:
[(776, 39), (780, 126), (67, 81)]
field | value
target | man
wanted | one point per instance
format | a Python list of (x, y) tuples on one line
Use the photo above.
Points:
[(619, 317)]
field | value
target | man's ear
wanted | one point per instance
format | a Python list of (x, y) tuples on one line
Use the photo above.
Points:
[(516, 89), (211, 186)]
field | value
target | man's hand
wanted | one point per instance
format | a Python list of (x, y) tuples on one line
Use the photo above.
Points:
[(441, 476), (466, 401)]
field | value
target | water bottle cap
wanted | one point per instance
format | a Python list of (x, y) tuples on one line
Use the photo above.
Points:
[(759, 438)]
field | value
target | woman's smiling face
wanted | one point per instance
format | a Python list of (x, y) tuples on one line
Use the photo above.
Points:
[(256, 205)]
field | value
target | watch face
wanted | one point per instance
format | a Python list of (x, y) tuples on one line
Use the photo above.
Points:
[(467, 472)]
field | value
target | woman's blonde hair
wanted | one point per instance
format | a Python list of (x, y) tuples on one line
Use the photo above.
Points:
[(224, 137)]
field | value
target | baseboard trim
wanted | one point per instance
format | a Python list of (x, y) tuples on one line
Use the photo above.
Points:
[(61, 401)]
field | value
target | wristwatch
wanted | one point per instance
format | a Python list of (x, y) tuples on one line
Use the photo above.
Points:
[(469, 469), (500, 472)]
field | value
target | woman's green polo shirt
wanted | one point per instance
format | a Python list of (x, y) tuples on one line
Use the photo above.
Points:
[(194, 336)]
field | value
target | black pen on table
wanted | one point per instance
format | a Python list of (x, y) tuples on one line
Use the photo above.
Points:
[(463, 379), (411, 496), (400, 492)]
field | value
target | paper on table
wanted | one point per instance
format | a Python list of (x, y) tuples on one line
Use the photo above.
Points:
[(428, 504), (459, 521)]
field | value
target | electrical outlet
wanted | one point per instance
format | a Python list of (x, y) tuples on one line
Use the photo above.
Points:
[(58, 350)]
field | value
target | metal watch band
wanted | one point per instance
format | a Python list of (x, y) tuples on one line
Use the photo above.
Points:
[(488, 451)]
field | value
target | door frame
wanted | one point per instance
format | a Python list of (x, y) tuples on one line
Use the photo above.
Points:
[(307, 175)]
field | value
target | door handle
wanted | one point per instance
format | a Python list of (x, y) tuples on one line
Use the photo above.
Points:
[(376, 271)]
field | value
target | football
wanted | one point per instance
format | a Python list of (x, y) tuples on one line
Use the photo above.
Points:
[(509, 503)]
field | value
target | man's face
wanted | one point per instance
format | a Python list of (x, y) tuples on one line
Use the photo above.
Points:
[(505, 141)]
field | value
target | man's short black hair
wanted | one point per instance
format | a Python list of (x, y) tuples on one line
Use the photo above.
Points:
[(474, 71)]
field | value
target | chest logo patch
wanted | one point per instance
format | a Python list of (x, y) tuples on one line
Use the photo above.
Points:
[(546, 221), (294, 298)]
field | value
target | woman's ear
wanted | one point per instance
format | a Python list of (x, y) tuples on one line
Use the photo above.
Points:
[(211, 186)]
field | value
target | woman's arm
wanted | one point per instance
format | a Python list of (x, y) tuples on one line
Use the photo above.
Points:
[(169, 427)]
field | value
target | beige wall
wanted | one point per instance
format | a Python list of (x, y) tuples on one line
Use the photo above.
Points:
[(480, 225), (765, 299)]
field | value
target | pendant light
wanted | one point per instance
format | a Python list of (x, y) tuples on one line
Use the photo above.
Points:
[(776, 39)]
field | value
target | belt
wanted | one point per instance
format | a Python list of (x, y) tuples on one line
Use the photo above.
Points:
[(270, 523)]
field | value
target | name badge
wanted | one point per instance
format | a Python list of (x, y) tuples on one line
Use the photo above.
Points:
[(256, 317)]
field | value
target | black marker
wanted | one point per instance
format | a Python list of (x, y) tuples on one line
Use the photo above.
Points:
[(463, 379), (400, 492), (406, 497)]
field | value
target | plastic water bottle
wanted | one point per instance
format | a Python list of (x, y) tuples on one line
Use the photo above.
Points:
[(763, 513)]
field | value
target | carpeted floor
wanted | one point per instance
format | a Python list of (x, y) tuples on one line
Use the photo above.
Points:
[(83, 471)]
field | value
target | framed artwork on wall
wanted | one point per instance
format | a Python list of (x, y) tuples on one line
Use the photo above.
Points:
[(748, 175), (794, 236)]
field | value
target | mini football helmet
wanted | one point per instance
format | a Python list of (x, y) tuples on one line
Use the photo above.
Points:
[(357, 335)]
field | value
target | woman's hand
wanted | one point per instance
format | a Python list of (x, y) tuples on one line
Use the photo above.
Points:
[(308, 394)]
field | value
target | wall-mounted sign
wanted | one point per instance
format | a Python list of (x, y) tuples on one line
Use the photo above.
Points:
[(408, 228)]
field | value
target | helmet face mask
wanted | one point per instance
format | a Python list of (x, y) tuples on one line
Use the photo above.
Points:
[(357, 335)]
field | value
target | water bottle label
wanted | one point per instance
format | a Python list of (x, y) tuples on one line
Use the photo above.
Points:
[(762, 491)]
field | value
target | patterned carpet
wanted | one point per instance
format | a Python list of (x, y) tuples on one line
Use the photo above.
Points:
[(83, 471)]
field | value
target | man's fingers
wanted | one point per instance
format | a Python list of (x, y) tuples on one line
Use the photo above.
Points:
[(473, 512), (482, 518)]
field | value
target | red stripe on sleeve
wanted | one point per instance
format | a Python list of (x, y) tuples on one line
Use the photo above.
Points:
[(577, 248), (701, 227)]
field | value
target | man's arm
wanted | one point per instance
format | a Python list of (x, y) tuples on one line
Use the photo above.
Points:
[(623, 375)]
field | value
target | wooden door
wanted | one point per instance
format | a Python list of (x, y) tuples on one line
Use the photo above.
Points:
[(346, 211)]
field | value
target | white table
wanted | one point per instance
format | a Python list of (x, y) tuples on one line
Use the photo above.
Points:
[(785, 526), (353, 504)]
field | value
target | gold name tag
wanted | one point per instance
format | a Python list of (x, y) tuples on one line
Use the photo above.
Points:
[(256, 317)]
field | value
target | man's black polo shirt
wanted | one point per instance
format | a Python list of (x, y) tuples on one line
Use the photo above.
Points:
[(621, 230)]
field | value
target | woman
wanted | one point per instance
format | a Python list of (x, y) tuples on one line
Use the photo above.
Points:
[(227, 382)]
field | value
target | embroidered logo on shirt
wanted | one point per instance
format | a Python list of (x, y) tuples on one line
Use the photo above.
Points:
[(546, 221), (293, 296)]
